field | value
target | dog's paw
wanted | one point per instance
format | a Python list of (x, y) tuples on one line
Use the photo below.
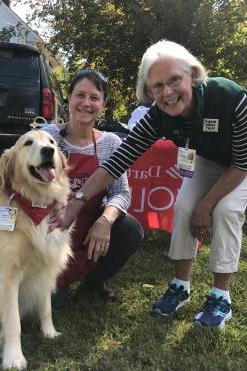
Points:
[(51, 333), (17, 361)]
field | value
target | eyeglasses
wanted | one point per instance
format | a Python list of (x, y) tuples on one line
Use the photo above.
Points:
[(159, 87)]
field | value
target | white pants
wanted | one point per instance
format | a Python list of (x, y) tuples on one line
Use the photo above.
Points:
[(228, 218)]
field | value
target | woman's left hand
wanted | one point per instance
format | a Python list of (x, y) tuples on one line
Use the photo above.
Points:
[(56, 218), (64, 217), (200, 222), (98, 238)]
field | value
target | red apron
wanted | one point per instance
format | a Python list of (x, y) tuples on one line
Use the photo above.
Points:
[(81, 166)]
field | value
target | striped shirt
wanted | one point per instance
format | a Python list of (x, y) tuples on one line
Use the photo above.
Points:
[(146, 132), (118, 193)]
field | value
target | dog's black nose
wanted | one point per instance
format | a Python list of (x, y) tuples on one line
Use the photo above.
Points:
[(47, 152)]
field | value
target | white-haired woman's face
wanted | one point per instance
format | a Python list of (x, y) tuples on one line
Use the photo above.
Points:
[(171, 87)]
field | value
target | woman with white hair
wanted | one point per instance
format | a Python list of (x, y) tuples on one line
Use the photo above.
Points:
[(207, 119)]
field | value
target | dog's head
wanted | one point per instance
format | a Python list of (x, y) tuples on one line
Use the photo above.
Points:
[(34, 159)]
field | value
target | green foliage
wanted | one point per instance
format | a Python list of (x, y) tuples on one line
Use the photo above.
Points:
[(112, 35), (6, 33), (62, 76), (219, 37)]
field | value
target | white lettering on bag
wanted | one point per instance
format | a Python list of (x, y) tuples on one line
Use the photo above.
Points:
[(148, 198)]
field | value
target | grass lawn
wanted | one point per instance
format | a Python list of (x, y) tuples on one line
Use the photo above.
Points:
[(125, 336)]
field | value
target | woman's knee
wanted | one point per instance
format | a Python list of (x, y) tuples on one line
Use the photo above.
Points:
[(227, 211), (128, 230)]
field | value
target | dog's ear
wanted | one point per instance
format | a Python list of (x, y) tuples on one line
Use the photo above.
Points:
[(63, 160), (7, 162)]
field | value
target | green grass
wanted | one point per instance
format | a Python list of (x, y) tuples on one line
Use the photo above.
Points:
[(125, 336)]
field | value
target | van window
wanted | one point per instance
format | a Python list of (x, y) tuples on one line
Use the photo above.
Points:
[(16, 63)]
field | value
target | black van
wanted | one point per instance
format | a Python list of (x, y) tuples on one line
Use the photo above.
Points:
[(27, 89)]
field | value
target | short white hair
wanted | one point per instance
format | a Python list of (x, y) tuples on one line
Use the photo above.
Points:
[(163, 50)]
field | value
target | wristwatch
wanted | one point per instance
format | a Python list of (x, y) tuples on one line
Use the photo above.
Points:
[(79, 195)]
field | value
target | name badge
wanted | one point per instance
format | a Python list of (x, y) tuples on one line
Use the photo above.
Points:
[(39, 205), (7, 218), (186, 161), (211, 125)]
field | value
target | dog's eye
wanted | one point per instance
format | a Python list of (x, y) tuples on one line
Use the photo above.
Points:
[(28, 142), (51, 141)]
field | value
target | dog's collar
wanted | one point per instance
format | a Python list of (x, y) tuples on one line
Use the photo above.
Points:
[(35, 213)]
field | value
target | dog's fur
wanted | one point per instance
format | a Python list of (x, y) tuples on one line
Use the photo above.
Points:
[(30, 256)]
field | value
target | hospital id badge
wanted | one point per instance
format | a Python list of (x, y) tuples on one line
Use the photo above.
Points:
[(7, 218), (186, 161)]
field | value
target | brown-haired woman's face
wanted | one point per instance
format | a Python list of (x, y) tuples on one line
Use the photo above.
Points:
[(86, 102)]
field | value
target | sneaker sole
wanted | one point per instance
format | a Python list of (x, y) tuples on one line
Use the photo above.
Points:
[(221, 325), (180, 305)]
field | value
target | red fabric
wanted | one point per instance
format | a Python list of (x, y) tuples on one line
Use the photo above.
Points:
[(36, 214), (81, 167), (154, 181)]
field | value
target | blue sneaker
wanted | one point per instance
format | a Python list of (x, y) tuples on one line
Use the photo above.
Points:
[(215, 312), (174, 298)]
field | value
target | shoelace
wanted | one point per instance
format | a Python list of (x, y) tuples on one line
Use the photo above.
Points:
[(173, 292), (213, 303)]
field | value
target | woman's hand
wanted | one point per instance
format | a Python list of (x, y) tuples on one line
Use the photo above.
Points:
[(200, 222), (98, 238), (64, 217), (56, 219), (71, 212)]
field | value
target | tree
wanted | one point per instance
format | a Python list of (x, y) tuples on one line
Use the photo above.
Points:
[(112, 35), (219, 36), (7, 33)]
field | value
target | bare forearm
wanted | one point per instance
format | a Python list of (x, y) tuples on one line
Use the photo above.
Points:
[(97, 182), (224, 185)]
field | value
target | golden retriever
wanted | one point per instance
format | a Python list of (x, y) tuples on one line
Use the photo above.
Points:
[(33, 173)]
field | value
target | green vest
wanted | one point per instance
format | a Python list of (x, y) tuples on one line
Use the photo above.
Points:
[(211, 131)]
